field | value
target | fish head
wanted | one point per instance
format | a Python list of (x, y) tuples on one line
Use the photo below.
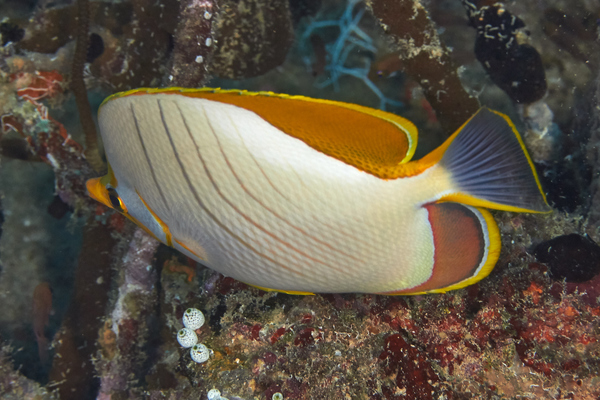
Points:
[(127, 201), (103, 190)]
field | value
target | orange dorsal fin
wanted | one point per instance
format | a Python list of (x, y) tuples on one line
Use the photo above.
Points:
[(371, 140)]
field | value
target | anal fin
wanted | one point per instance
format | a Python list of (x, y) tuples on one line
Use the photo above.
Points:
[(467, 246)]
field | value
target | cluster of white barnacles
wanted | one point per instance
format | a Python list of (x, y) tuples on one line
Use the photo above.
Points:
[(193, 319)]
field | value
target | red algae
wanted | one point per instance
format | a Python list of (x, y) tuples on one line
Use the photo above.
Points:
[(305, 337), (255, 332), (269, 357), (414, 373), (271, 390), (278, 333), (306, 319), (229, 285)]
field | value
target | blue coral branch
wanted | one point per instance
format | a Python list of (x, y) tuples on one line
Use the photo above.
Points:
[(351, 39)]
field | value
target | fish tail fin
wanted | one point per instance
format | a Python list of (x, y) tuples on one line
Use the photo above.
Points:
[(490, 167)]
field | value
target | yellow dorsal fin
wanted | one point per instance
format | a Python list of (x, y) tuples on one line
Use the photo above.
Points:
[(371, 140), (294, 292)]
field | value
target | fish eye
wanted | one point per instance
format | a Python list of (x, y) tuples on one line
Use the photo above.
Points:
[(115, 200)]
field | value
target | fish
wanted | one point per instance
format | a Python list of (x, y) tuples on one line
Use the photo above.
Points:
[(304, 196), (386, 66), (42, 307), (320, 51)]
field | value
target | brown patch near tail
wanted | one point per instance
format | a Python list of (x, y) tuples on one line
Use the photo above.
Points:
[(459, 246)]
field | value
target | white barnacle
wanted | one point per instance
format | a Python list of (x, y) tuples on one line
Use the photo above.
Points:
[(187, 337), (213, 394), (199, 59), (208, 42), (200, 353), (207, 15), (193, 318)]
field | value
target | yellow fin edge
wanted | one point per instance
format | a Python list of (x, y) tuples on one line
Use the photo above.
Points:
[(436, 155), (294, 292), (163, 226), (476, 202), (529, 160)]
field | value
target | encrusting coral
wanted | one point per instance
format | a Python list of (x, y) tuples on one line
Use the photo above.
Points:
[(193, 48), (426, 59), (131, 314)]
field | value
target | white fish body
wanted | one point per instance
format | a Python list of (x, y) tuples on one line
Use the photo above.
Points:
[(229, 189)]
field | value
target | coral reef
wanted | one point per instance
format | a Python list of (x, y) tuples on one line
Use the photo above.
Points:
[(513, 334), (72, 373), (426, 59), (501, 48), (14, 386), (529, 330), (125, 332), (135, 36), (350, 39), (229, 39), (193, 43), (253, 37)]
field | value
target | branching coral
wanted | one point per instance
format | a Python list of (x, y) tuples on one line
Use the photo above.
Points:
[(253, 37), (351, 39), (426, 59), (193, 43), (130, 316), (79, 89)]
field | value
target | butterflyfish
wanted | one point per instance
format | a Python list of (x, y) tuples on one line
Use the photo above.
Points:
[(303, 195)]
